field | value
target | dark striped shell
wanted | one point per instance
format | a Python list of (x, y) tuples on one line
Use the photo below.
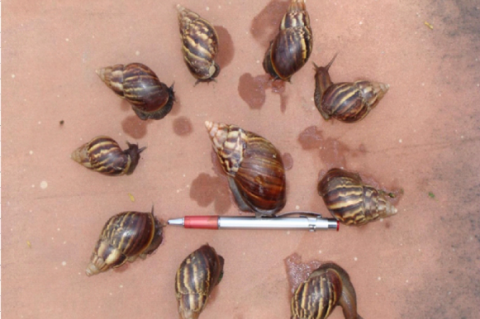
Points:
[(346, 102), (254, 167), (199, 45), (351, 201), (125, 237), (325, 288), (196, 277), (140, 86), (292, 46), (103, 154)]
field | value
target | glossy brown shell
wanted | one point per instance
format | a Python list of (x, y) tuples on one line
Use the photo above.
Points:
[(347, 102), (199, 45), (196, 277), (103, 154), (292, 46), (254, 167), (140, 86), (125, 237), (325, 288), (351, 201)]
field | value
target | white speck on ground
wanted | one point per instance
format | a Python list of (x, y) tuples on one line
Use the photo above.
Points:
[(31, 152), (43, 185), (64, 263)]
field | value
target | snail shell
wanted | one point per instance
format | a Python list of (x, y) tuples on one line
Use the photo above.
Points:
[(104, 155), (254, 167), (351, 201), (346, 102), (199, 45), (325, 288), (292, 46), (196, 277), (140, 86), (125, 237)]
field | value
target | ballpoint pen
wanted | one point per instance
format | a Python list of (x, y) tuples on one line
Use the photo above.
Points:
[(310, 221)]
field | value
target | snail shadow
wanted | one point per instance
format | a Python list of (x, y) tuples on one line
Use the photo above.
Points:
[(265, 25), (177, 105), (226, 49), (252, 90)]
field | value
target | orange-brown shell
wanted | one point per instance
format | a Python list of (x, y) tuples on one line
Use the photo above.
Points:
[(325, 288), (292, 46), (103, 154), (140, 86), (196, 277), (254, 167), (351, 201), (125, 237)]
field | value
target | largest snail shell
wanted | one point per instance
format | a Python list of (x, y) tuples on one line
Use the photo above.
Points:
[(103, 154), (351, 201), (199, 45), (196, 277), (140, 86), (325, 288), (346, 102), (125, 237), (254, 167), (292, 46)]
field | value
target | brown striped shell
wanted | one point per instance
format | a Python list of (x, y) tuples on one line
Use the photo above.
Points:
[(199, 45), (125, 237), (351, 201), (103, 154), (196, 277), (140, 86), (292, 46), (325, 288), (254, 168), (346, 102)]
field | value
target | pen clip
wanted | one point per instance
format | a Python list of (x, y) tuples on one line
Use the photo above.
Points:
[(300, 214)]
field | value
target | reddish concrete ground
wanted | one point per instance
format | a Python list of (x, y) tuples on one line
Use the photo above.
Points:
[(423, 137)]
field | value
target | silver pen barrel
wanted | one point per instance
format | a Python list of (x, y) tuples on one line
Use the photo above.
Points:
[(310, 223)]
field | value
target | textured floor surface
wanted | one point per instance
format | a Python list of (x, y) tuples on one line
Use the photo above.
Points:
[(423, 137)]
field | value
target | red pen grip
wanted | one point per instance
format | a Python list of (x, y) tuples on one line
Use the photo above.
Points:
[(202, 222)]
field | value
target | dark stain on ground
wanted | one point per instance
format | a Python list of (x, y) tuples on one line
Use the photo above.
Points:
[(287, 161), (332, 152), (206, 189), (252, 90), (182, 126), (226, 50), (266, 24), (135, 127)]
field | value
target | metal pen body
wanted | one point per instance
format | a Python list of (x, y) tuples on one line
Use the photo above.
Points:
[(245, 222), (276, 223)]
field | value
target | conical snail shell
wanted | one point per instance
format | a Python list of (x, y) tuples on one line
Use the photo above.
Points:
[(140, 86), (351, 201), (292, 46), (199, 45), (254, 167), (104, 155), (196, 277), (346, 102), (125, 237), (325, 288)]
